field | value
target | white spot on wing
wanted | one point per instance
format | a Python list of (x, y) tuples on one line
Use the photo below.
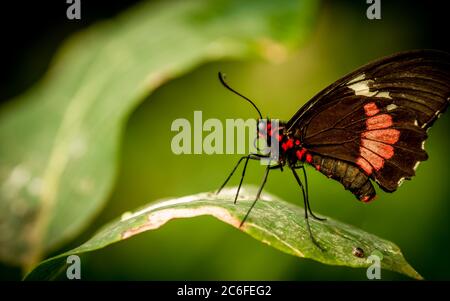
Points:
[(437, 114), (400, 182), (391, 107), (357, 79), (383, 94), (362, 88), (423, 144), (416, 165)]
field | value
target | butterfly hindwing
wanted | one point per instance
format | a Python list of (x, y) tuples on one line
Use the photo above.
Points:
[(377, 117)]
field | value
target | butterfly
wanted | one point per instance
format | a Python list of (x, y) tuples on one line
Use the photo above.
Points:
[(369, 126)]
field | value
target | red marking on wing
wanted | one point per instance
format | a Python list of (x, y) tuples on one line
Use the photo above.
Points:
[(364, 165), (371, 109), (375, 142), (376, 161), (384, 150), (390, 136), (308, 158), (379, 122), (318, 167), (297, 142)]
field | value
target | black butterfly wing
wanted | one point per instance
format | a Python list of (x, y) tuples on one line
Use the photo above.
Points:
[(376, 117)]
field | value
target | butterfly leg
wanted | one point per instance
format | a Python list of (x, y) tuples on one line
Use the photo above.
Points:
[(307, 197), (306, 208), (266, 174), (248, 157)]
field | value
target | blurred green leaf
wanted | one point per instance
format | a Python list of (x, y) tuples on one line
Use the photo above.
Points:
[(272, 221), (60, 139)]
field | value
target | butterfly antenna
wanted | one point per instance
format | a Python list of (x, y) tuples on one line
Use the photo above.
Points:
[(222, 80)]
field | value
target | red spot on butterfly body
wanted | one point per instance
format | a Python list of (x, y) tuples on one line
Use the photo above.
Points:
[(290, 143), (287, 145), (368, 198), (371, 109), (379, 122), (300, 153)]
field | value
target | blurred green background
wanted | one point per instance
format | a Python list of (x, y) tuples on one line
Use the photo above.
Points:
[(416, 217)]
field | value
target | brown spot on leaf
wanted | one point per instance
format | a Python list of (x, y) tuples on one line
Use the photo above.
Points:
[(358, 252)]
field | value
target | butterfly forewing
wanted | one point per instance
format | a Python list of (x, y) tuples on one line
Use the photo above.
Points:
[(376, 117)]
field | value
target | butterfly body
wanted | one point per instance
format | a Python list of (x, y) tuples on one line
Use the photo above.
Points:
[(293, 152)]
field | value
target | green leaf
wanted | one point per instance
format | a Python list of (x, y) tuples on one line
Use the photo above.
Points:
[(272, 221), (58, 155)]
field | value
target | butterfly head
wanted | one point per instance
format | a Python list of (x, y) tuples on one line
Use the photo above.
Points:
[(268, 129), (274, 137)]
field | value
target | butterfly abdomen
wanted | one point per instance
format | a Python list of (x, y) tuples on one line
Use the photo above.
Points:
[(350, 176)]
